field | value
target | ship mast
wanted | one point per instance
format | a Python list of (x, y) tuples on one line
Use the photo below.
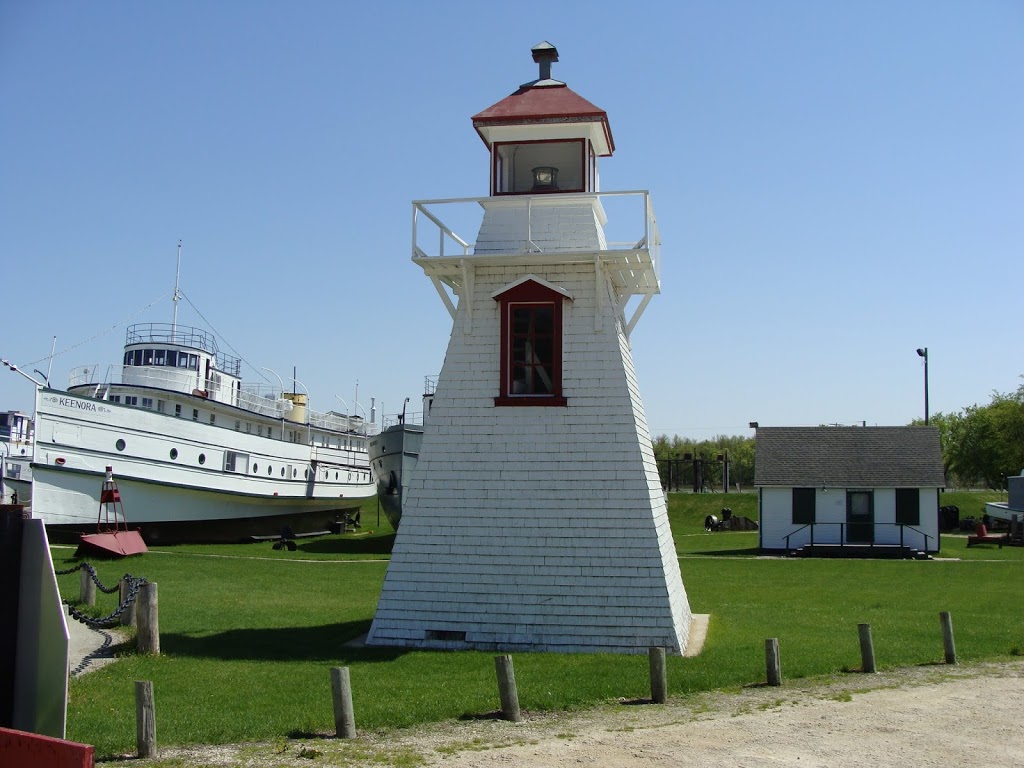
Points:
[(177, 296)]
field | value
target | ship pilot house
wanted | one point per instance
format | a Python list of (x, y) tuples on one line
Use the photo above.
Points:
[(535, 518)]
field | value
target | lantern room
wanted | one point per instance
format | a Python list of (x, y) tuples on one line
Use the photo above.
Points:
[(544, 138)]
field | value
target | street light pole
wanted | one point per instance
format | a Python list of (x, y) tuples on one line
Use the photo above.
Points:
[(923, 352)]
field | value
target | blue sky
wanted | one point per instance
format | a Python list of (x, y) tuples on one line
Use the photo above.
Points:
[(836, 184)]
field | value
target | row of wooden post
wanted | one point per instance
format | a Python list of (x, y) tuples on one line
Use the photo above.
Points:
[(141, 612), (341, 684), (344, 714), (773, 668)]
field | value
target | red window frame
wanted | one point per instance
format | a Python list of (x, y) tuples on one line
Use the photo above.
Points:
[(527, 295)]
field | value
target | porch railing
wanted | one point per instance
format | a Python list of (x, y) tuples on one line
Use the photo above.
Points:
[(844, 538)]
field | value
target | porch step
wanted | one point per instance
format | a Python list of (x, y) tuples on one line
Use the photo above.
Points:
[(876, 551)]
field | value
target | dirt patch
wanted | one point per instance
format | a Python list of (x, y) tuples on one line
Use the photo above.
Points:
[(924, 716)]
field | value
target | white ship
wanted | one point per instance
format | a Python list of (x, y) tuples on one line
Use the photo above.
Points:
[(197, 455), (395, 451)]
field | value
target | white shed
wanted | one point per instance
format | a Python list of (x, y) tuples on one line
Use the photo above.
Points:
[(871, 491)]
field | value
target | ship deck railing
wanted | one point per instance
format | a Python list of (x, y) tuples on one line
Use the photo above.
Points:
[(185, 336)]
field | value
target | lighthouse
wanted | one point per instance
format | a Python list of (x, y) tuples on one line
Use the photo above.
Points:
[(535, 519)]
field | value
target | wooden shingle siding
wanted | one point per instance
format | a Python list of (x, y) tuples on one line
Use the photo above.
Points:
[(535, 528)]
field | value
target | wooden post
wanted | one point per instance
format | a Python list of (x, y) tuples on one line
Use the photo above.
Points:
[(947, 637), (86, 587), (771, 661), (341, 692), (148, 620), (659, 675), (867, 648), (145, 719), (128, 614), (507, 688)]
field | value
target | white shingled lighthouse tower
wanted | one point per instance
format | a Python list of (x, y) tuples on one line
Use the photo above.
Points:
[(535, 519)]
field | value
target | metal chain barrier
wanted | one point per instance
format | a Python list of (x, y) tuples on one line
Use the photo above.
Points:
[(92, 575), (134, 585)]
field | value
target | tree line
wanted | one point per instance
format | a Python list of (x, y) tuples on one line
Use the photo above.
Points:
[(981, 446)]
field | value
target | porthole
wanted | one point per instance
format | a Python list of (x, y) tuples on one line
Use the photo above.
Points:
[(174, 453), (307, 474), (294, 472), (120, 445), (282, 471), (270, 470), (202, 458), (255, 468)]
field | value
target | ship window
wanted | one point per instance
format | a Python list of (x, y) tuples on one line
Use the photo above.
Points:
[(120, 445), (128, 357), (236, 462), (159, 357), (172, 358), (531, 346), (147, 402), (148, 357), (307, 473), (177, 409), (202, 458), (282, 471), (174, 454), (115, 398), (270, 470), (270, 432), (238, 425), (259, 430), (255, 468), (213, 418), (294, 472), (183, 360), (160, 406), (248, 427), (195, 414), (131, 400)]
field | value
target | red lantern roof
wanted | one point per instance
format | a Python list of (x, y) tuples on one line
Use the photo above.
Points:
[(546, 101)]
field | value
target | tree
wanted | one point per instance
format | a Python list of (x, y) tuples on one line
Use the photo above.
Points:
[(986, 442)]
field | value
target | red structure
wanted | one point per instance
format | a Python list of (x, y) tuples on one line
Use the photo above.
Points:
[(19, 749), (112, 537)]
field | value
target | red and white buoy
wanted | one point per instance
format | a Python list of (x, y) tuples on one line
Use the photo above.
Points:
[(113, 538)]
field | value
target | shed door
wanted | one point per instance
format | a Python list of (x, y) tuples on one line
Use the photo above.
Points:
[(860, 517)]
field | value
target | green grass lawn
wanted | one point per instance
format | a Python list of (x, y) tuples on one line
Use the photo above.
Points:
[(248, 634)]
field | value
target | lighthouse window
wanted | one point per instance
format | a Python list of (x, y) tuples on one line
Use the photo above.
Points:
[(540, 167), (531, 346)]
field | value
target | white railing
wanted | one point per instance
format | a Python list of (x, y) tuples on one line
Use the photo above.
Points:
[(441, 228)]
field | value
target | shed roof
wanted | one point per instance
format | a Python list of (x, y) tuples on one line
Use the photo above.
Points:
[(848, 457)]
